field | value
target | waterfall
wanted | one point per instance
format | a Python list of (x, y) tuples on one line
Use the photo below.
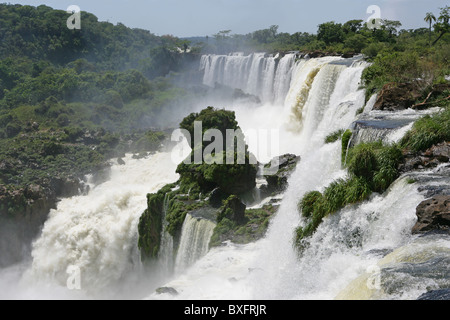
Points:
[(283, 78), (304, 100), (194, 244), (324, 96), (259, 74), (96, 233), (384, 126)]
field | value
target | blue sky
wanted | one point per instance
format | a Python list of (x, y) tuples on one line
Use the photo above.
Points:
[(184, 18)]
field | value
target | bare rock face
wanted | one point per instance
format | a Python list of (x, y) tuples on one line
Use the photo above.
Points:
[(433, 214), (431, 158), (395, 97)]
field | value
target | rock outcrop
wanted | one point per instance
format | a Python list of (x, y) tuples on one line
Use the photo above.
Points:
[(431, 158), (433, 214), (277, 173), (394, 97), (23, 212)]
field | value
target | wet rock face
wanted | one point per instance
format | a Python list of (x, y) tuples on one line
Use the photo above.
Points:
[(433, 214), (431, 158), (23, 212), (443, 294), (397, 97), (277, 181)]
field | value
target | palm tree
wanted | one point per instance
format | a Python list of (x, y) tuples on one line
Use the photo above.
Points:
[(429, 17)]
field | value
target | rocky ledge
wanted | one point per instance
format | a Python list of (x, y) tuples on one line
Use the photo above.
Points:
[(431, 158), (401, 96), (433, 214), (24, 210)]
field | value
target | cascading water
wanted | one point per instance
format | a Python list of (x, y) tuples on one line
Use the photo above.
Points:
[(304, 100), (324, 96), (96, 234), (194, 243), (262, 75)]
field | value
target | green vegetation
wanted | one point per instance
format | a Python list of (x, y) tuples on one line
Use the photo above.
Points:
[(410, 58), (252, 227), (351, 37), (233, 178), (72, 99), (428, 131), (372, 167), (40, 34), (214, 187), (334, 136)]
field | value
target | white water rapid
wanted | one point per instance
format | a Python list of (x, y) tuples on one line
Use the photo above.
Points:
[(95, 235)]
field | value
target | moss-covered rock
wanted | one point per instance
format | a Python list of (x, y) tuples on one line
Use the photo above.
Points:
[(249, 228), (232, 209), (201, 185), (150, 226), (278, 170), (233, 178)]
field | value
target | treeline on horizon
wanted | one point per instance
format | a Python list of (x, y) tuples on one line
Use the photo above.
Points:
[(352, 37)]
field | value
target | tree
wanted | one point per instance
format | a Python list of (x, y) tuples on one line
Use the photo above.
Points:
[(429, 18), (352, 26), (330, 32), (266, 35), (443, 25), (391, 26), (356, 42)]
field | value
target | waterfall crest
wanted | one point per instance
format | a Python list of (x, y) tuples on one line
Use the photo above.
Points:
[(259, 74)]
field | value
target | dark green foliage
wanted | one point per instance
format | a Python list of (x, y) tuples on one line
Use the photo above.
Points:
[(306, 205), (330, 32), (251, 228), (373, 167), (210, 118), (362, 161), (349, 38), (388, 159), (428, 131), (232, 178), (376, 163), (357, 190), (335, 195), (334, 136), (71, 99), (150, 226), (41, 33), (151, 140)]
